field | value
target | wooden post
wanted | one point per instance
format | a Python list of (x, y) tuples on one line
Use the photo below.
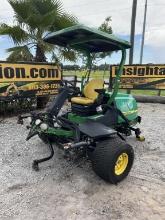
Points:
[(128, 91), (159, 92)]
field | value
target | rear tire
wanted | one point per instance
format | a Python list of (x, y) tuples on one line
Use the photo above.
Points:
[(112, 159)]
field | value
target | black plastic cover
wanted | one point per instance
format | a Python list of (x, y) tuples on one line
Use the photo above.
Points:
[(96, 130)]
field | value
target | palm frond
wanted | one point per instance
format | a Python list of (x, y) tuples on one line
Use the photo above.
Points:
[(48, 48), (45, 6), (16, 33), (20, 53), (48, 19), (33, 21), (67, 20), (64, 21), (17, 48), (35, 18), (22, 9)]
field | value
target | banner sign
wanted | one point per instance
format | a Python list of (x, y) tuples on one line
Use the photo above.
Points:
[(24, 79), (141, 76)]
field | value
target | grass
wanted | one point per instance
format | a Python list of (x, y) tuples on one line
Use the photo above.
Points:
[(144, 92), (96, 74), (105, 75)]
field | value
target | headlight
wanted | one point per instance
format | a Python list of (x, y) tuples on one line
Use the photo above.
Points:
[(37, 122), (44, 126), (57, 125), (29, 119)]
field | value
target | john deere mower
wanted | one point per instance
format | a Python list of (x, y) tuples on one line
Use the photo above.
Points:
[(98, 120)]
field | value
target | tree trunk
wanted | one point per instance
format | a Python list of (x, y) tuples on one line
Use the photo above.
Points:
[(40, 56)]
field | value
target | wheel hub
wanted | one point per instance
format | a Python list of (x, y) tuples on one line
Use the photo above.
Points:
[(121, 163)]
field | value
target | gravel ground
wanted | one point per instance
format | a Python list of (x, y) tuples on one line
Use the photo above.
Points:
[(67, 190)]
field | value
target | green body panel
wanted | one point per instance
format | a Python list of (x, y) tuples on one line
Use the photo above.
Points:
[(81, 119), (59, 132), (127, 105), (125, 102)]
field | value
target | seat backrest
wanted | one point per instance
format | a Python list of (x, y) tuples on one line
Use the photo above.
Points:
[(89, 89)]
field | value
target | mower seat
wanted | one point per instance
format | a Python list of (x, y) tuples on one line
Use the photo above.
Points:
[(90, 95)]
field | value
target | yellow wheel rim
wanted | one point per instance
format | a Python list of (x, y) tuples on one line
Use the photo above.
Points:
[(121, 163)]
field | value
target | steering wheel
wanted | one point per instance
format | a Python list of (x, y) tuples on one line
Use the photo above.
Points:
[(71, 86), (66, 83)]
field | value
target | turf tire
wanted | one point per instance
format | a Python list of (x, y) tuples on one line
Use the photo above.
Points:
[(105, 156)]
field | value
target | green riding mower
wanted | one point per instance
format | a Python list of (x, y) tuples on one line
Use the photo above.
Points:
[(98, 119)]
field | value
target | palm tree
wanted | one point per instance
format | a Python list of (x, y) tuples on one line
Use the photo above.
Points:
[(34, 19)]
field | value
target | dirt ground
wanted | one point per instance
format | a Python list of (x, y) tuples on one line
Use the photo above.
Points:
[(71, 191)]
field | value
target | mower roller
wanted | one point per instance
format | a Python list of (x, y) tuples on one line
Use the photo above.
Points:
[(98, 119)]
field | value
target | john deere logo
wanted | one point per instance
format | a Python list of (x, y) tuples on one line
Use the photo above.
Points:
[(28, 72)]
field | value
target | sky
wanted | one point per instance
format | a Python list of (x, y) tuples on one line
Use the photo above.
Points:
[(93, 12)]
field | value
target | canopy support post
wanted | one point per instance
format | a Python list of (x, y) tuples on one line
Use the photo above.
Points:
[(85, 78), (118, 76)]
